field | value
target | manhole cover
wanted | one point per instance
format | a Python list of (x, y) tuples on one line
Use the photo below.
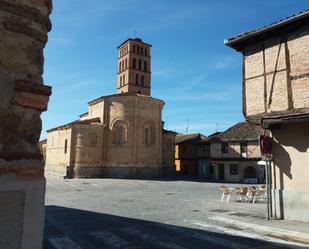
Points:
[(240, 214), (258, 217), (85, 183), (234, 227), (126, 200), (196, 210), (219, 210)]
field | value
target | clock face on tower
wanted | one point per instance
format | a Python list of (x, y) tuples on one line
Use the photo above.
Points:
[(134, 74)]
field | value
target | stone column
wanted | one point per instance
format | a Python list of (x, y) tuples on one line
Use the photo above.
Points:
[(24, 25)]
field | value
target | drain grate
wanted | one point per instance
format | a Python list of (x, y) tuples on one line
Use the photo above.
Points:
[(196, 210)]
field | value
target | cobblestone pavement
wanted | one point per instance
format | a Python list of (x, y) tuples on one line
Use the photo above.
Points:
[(168, 214)]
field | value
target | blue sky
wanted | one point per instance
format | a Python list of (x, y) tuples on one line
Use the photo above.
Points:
[(192, 71)]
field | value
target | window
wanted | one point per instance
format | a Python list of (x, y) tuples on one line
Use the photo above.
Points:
[(142, 80), (120, 133), (233, 169), (119, 68), (134, 48), (243, 149), (146, 51), (148, 134), (122, 65), (120, 80), (136, 79), (211, 170), (139, 64), (145, 66), (138, 49), (134, 63), (65, 146), (224, 148), (124, 79), (142, 50), (126, 65)]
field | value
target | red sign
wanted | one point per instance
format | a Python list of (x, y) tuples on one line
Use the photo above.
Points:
[(265, 145)]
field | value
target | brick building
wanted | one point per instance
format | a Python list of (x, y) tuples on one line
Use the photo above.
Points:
[(186, 159), (276, 95)]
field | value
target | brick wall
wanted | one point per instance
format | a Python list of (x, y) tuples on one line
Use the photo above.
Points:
[(276, 74)]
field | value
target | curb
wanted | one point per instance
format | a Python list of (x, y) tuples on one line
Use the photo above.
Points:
[(273, 232)]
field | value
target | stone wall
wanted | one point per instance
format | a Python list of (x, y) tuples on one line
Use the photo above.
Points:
[(24, 25), (168, 149), (276, 74)]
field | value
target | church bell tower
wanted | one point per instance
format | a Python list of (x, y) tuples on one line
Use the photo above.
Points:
[(134, 74)]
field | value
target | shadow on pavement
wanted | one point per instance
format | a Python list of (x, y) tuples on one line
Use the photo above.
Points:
[(79, 229)]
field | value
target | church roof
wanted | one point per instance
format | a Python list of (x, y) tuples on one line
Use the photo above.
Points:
[(86, 121), (120, 95), (136, 40)]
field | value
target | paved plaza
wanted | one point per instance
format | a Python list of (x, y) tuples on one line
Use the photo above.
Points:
[(168, 214)]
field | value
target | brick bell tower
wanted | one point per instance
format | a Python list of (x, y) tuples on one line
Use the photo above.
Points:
[(134, 74)]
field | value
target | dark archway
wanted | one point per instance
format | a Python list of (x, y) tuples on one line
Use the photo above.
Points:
[(250, 172)]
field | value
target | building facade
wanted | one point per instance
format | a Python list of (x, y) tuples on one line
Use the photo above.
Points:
[(186, 159), (121, 135), (276, 95), (233, 155), (229, 156)]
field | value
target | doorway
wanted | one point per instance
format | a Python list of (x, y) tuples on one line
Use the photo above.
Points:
[(250, 172), (221, 171)]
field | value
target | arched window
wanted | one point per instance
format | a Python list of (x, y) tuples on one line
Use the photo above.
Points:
[(136, 79), (120, 80), (123, 65), (126, 65), (138, 49), (120, 66), (146, 51), (148, 134), (134, 63), (139, 64), (142, 80), (133, 48), (120, 133), (142, 50), (145, 66), (124, 79)]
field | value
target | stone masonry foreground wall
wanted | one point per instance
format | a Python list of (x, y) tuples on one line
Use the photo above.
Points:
[(24, 25)]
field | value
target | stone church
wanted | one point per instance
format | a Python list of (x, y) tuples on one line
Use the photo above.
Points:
[(121, 135)]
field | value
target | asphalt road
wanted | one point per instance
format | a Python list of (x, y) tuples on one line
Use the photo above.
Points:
[(168, 214)]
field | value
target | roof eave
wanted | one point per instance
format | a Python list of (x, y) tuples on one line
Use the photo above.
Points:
[(235, 42)]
